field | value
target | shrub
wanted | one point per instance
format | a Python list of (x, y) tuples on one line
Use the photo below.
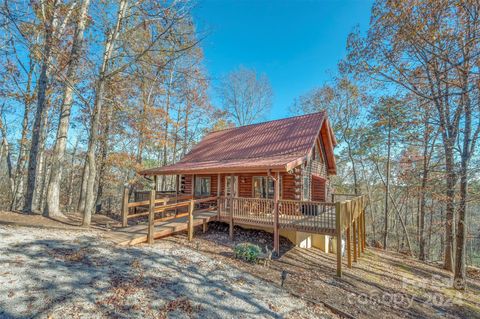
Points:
[(248, 252)]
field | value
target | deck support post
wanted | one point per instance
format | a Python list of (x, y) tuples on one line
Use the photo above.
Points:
[(125, 207), (276, 235), (362, 234), (230, 230), (359, 237), (354, 234), (230, 227), (190, 219), (151, 217), (348, 235), (338, 207), (205, 225), (364, 226)]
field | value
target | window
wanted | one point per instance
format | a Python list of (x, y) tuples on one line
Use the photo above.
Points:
[(202, 186), (306, 187), (264, 187)]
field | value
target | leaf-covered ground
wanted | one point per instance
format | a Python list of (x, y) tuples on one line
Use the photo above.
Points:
[(76, 273), (61, 273), (381, 285)]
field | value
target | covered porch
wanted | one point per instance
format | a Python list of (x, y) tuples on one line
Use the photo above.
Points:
[(206, 197)]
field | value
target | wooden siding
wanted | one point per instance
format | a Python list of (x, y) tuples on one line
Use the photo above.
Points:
[(188, 183), (245, 184), (318, 189)]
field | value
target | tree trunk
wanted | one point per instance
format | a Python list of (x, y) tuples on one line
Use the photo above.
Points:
[(423, 187), (53, 193), (461, 231), (38, 128), (90, 160), (95, 120), (387, 187), (450, 208), (104, 154), (167, 119), (22, 155), (83, 189), (8, 156), (71, 178), (354, 170)]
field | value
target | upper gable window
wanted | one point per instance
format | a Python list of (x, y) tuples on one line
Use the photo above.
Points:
[(317, 154)]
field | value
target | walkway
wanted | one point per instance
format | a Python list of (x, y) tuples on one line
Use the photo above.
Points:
[(137, 234)]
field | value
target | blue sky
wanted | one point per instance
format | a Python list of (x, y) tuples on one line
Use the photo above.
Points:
[(297, 44)]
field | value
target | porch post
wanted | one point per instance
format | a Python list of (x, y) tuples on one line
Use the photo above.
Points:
[(155, 182), (219, 192), (276, 235), (125, 207), (191, 207), (151, 217), (193, 186), (231, 207), (177, 182)]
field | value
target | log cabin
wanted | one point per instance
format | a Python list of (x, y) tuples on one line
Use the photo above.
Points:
[(273, 176), (247, 162)]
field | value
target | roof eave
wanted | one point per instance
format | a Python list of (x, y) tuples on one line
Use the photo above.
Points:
[(213, 170)]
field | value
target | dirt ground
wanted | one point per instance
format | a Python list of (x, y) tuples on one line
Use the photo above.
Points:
[(61, 273), (72, 221), (381, 285), (74, 272)]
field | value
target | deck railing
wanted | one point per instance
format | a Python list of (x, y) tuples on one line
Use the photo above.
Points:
[(292, 214), (307, 215), (163, 209), (340, 219), (254, 211)]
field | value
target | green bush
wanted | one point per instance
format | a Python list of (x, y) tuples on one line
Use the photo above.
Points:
[(248, 252)]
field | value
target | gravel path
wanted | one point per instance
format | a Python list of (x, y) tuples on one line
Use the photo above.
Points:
[(48, 273)]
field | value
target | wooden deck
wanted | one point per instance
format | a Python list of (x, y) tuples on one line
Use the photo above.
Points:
[(308, 224), (137, 234)]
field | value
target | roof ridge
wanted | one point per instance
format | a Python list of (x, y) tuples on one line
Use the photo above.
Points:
[(264, 122)]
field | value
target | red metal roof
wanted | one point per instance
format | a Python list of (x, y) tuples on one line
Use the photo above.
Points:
[(272, 145)]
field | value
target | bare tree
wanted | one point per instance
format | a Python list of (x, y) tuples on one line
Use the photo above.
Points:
[(246, 97), (53, 192)]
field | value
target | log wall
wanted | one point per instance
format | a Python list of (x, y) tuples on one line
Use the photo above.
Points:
[(245, 184)]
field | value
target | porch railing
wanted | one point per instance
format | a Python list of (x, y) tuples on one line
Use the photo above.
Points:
[(340, 219), (296, 215), (255, 211), (307, 215)]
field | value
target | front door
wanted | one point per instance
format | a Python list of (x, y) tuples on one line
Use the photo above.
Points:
[(228, 187), (228, 180)]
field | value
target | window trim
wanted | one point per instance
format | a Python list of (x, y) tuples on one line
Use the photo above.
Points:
[(198, 182), (267, 178)]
